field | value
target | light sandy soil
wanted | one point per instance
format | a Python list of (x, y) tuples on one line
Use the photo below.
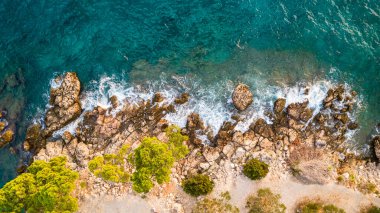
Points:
[(240, 188), (292, 191)]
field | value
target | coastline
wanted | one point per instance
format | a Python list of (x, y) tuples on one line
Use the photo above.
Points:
[(292, 126)]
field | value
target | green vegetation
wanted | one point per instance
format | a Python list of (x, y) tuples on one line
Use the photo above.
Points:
[(216, 205), (198, 185), (265, 202), (370, 209), (368, 188), (111, 167), (255, 169), (175, 143), (318, 207), (153, 159), (46, 187)]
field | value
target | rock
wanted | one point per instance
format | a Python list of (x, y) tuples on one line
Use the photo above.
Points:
[(342, 117), (279, 105), (376, 146), (65, 104), (242, 97), (114, 101), (81, 152), (249, 139), (299, 111), (193, 125), (67, 137), (182, 99), (238, 137), (306, 114), (314, 172), (204, 166), (3, 124), (6, 137), (158, 97), (263, 129), (34, 141), (228, 150), (239, 153), (265, 144), (53, 148), (211, 154), (352, 126)]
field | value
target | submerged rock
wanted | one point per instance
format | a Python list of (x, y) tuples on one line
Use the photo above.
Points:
[(65, 103), (242, 97), (183, 98), (6, 137)]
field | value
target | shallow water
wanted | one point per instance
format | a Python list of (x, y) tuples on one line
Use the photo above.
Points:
[(207, 46)]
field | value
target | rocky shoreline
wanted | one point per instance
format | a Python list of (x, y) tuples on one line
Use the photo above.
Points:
[(295, 141)]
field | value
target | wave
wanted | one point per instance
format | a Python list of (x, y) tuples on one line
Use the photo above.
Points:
[(212, 102)]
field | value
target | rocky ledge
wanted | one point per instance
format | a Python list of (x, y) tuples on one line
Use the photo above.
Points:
[(293, 139)]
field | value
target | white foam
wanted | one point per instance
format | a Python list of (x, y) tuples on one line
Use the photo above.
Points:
[(212, 102)]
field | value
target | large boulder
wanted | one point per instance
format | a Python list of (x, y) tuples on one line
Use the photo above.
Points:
[(65, 103), (376, 146), (242, 97), (279, 105)]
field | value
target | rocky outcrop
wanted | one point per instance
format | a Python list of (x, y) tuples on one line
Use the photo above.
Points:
[(65, 103), (182, 99), (242, 97), (376, 146), (34, 140), (279, 105)]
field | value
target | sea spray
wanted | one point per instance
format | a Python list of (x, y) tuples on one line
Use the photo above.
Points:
[(212, 102)]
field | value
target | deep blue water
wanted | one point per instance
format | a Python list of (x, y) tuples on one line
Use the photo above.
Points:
[(102, 37)]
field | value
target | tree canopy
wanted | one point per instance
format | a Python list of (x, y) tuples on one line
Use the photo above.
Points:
[(46, 187), (153, 159)]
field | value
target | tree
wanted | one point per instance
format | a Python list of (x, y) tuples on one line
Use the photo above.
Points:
[(111, 167), (265, 202), (46, 187), (255, 169), (176, 140), (198, 185), (153, 160)]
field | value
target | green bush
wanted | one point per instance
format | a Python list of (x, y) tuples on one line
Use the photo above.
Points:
[(371, 209), (111, 167), (318, 207), (46, 187), (216, 205), (265, 202), (153, 160), (255, 169), (198, 185), (175, 143)]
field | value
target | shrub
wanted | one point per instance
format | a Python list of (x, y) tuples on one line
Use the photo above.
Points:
[(215, 205), (370, 209), (111, 167), (265, 202), (318, 207), (255, 169), (46, 187), (175, 143), (153, 159), (198, 185)]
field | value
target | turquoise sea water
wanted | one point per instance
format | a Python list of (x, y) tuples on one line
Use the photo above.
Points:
[(279, 42)]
